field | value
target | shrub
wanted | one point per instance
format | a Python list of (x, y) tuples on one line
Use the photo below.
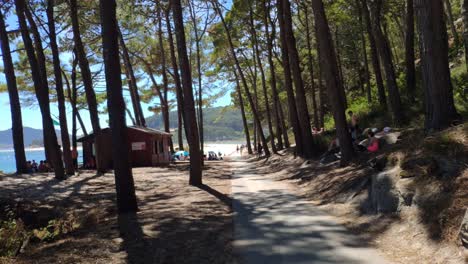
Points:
[(12, 235)]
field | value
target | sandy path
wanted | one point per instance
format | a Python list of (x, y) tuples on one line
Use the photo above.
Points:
[(274, 225)]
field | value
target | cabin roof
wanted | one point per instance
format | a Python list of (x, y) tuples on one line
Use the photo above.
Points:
[(150, 130), (146, 130)]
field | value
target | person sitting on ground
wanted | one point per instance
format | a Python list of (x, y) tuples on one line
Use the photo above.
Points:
[(371, 144), (333, 147), (34, 166), (74, 154), (353, 125), (29, 167), (332, 153), (42, 167), (47, 166)]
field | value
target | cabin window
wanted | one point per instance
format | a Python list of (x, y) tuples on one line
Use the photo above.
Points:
[(158, 147), (161, 147)]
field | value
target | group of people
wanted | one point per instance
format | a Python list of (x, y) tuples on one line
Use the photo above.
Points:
[(370, 144), (213, 156), (43, 166), (365, 141), (241, 148)]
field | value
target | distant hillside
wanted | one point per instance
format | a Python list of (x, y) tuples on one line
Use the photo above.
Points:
[(220, 123), (32, 136)]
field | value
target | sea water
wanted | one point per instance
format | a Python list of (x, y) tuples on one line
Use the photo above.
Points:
[(7, 158)]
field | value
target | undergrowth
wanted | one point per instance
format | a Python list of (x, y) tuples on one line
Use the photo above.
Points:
[(15, 234)]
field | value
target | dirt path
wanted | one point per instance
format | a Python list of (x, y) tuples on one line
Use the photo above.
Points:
[(274, 225)]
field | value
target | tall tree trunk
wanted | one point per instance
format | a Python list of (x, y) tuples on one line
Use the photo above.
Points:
[(72, 97), (284, 128), (178, 86), (132, 83), (310, 62), (409, 52), (162, 93), (87, 82), (257, 128), (72, 91), (42, 71), (190, 117), (199, 75), (40, 86), (364, 54), (440, 108), (280, 132), (288, 86), (243, 79), (320, 89), (386, 56), (374, 56), (301, 100), (330, 70), (391, 42), (464, 14), (451, 21), (124, 185), (340, 68), (129, 113), (67, 156), (164, 77), (82, 125), (15, 107), (263, 79), (244, 119)]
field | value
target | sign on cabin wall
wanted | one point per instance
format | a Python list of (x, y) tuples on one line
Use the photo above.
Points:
[(138, 145)]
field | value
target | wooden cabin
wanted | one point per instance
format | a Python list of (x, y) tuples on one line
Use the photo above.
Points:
[(147, 147)]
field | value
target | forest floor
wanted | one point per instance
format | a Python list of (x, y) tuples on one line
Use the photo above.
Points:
[(75, 221)]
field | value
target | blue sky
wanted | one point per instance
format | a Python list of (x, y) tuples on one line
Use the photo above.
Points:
[(32, 115)]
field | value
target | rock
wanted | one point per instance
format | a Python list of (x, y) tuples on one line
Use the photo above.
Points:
[(378, 164), (305, 164), (432, 167), (384, 197), (407, 174), (464, 230), (405, 188), (390, 138)]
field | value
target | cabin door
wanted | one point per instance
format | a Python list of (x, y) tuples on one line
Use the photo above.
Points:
[(158, 152)]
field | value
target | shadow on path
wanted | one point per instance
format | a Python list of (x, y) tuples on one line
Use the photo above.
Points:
[(274, 225)]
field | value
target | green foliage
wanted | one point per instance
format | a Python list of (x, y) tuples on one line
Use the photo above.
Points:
[(55, 228), (460, 88), (12, 234)]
